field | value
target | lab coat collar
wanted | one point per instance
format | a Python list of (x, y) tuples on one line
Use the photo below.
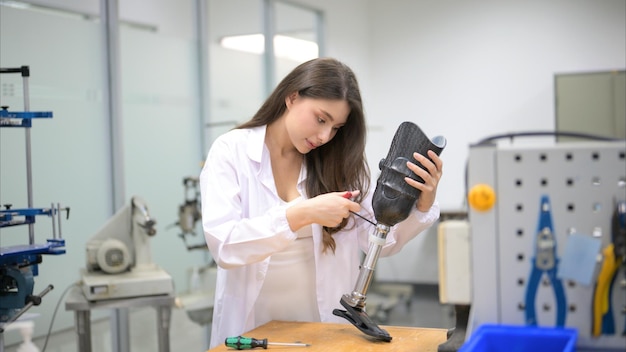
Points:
[(256, 147)]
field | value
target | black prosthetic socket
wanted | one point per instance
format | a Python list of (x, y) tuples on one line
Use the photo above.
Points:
[(393, 198)]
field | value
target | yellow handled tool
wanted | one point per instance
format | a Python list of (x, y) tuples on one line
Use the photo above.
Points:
[(602, 294)]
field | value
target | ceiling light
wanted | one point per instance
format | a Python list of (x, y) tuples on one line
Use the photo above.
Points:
[(284, 46)]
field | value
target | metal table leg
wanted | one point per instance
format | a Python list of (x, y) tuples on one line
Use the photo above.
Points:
[(164, 316), (83, 329), (77, 302), (120, 330)]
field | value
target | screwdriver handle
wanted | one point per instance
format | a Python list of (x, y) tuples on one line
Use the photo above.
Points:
[(245, 343)]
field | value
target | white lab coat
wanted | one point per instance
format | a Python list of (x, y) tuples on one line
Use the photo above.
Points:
[(244, 222)]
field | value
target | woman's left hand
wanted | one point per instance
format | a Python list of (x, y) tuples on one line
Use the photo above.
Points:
[(431, 177)]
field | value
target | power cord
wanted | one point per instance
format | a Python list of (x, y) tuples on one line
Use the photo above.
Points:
[(55, 313), (547, 133)]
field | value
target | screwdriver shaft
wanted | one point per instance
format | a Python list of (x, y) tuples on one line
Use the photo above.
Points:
[(294, 344)]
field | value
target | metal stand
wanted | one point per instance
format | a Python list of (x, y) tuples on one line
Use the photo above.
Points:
[(19, 263)]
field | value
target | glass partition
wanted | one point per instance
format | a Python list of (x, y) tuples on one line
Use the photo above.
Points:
[(240, 78), (297, 36), (160, 126), (235, 76), (70, 151)]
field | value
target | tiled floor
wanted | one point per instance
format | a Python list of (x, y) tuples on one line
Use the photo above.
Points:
[(400, 306)]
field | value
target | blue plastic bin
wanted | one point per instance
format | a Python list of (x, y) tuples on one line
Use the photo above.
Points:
[(512, 338)]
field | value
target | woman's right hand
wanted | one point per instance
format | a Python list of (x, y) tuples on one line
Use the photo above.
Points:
[(327, 209)]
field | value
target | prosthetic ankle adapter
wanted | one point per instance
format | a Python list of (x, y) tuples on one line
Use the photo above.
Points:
[(392, 202)]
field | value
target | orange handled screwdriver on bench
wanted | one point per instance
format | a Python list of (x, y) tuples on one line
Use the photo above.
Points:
[(247, 343)]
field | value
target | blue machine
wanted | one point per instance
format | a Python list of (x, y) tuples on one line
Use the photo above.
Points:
[(19, 263)]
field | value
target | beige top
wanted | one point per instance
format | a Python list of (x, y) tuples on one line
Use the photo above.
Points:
[(288, 292)]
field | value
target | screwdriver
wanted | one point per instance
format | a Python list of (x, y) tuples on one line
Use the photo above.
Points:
[(348, 195), (246, 343)]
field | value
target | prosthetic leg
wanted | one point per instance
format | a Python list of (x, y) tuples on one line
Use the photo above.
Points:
[(392, 202), (355, 302)]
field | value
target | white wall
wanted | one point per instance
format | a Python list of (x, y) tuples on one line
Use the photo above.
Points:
[(466, 70), (470, 69)]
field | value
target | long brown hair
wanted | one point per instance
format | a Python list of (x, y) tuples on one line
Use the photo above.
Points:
[(339, 164)]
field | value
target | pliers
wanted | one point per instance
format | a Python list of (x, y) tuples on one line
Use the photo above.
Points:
[(614, 254), (545, 262)]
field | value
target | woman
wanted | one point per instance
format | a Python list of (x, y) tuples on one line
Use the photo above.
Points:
[(277, 193)]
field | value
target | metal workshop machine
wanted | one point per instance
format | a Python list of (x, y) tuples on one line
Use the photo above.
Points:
[(19, 263), (119, 260), (198, 300), (548, 237)]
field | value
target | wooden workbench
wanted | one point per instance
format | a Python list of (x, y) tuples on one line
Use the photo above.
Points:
[(329, 337)]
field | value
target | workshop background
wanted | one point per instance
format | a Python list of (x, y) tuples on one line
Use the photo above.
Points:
[(462, 69)]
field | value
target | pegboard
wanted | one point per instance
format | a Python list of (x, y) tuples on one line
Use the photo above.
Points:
[(582, 181)]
